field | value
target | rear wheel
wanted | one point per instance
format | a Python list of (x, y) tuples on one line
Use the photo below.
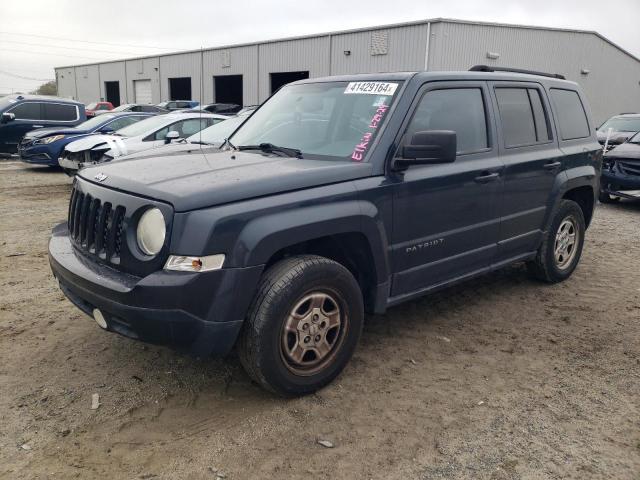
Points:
[(303, 325), (561, 248)]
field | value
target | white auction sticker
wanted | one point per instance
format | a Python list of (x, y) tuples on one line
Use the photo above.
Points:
[(372, 88)]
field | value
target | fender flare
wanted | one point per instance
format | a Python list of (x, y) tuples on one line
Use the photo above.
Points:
[(264, 236)]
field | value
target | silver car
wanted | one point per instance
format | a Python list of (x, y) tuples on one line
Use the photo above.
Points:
[(150, 133)]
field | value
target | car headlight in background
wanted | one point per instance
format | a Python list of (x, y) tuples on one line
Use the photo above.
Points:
[(52, 139), (151, 231), (179, 263)]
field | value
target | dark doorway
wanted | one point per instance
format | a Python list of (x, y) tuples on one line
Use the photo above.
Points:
[(282, 78), (180, 88), (113, 92), (228, 89)]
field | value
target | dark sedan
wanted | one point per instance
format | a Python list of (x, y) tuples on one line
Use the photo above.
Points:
[(43, 146), (620, 176), (619, 129)]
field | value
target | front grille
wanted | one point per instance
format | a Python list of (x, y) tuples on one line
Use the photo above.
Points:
[(629, 168), (95, 226)]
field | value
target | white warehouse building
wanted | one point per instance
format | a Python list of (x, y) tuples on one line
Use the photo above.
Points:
[(247, 74)]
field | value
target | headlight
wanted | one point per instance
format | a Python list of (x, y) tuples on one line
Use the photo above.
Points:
[(55, 138), (151, 231)]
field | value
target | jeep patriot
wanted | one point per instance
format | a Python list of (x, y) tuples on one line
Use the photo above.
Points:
[(338, 196)]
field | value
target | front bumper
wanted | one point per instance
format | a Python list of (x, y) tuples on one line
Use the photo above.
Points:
[(198, 312), (39, 155), (619, 184)]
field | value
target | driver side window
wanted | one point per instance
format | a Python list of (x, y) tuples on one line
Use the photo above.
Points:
[(461, 110)]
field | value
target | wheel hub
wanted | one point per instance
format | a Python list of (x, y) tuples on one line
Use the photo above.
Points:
[(565, 246), (311, 333)]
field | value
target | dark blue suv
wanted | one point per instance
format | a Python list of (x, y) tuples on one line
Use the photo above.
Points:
[(44, 146), (338, 196), (20, 114)]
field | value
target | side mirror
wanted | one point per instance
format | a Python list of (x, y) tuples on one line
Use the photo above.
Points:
[(7, 117), (172, 135), (429, 147), (107, 130)]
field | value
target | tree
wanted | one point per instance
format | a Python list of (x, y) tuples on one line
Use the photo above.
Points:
[(49, 88)]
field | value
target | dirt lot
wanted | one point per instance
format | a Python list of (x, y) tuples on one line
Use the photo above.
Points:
[(500, 378)]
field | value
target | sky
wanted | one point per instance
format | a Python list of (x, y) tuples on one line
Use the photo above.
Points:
[(36, 35)]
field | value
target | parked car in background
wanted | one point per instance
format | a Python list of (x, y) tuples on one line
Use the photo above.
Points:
[(339, 196), (44, 145), (622, 126), (20, 114), (94, 107), (207, 140), (620, 177), (222, 108), (178, 104), (150, 133), (248, 109), (135, 107)]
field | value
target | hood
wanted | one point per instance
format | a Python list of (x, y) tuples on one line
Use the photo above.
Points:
[(615, 138), (92, 141), (629, 151), (190, 182), (172, 149), (47, 132)]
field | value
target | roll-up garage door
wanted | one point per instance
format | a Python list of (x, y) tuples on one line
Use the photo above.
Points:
[(142, 90)]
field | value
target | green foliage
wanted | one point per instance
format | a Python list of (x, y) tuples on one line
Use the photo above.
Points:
[(49, 88)]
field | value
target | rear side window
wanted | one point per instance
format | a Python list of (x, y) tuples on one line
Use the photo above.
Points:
[(59, 113), (524, 121), (459, 109), (571, 115), (27, 111)]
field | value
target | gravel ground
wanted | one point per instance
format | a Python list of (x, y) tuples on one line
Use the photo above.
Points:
[(499, 378)]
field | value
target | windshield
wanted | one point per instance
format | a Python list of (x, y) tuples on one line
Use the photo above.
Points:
[(622, 124), (217, 133), (94, 122), (144, 126), (332, 120)]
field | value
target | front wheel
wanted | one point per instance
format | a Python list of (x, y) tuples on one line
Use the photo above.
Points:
[(303, 325), (561, 248)]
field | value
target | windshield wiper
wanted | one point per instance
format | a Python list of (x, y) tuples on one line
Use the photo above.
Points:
[(201, 143), (271, 148)]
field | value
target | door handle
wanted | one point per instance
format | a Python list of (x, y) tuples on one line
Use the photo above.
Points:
[(487, 177), (37, 126), (551, 165)]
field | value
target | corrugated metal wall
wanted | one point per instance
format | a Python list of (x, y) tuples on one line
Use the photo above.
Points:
[(232, 61), (66, 80), (611, 84), (308, 54), (405, 51), (88, 81), (143, 69), (111, 72), (181, 65)]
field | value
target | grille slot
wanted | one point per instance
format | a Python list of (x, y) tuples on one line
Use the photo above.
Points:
[(96, 227), (629, 168)]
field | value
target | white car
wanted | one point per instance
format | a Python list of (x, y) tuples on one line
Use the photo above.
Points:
[(144, 135)]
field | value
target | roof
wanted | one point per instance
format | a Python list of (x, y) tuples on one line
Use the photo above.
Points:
[(365, 29), (48, 98)]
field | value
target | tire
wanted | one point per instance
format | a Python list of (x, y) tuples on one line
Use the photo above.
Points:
[(550, 267), (289, 309)]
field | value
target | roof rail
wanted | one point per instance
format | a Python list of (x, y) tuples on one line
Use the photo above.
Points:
[(486, 68)]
